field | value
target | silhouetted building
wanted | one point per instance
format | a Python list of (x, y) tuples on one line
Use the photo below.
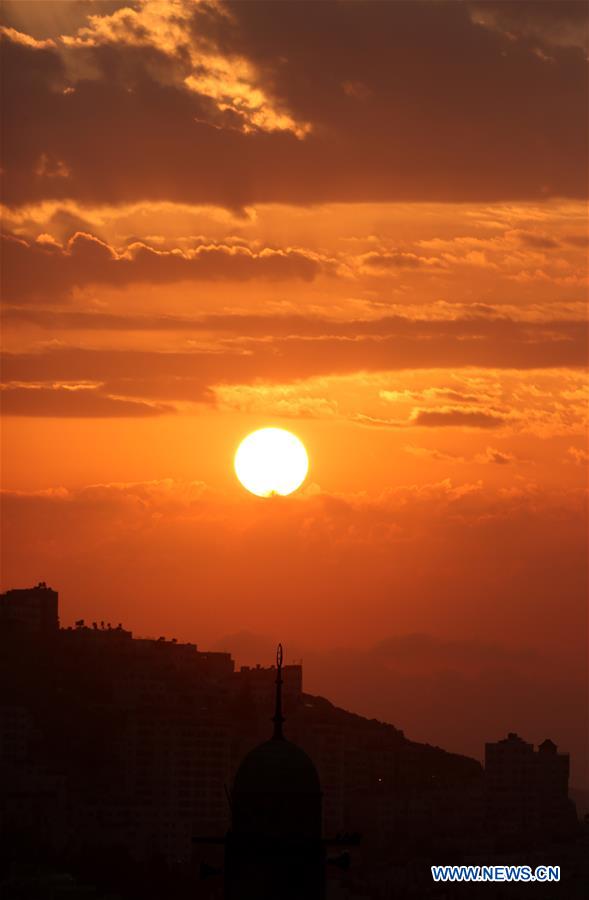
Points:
[(34, 609), (274, 847), (33, 799), (170, 741), (527, 790)]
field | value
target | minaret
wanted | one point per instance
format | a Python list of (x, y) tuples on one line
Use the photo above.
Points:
[(278, 718), (274, 850)]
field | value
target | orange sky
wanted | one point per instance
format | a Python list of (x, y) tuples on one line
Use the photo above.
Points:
[(364, 222)]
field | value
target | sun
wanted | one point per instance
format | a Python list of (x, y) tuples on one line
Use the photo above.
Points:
[(271, 461)]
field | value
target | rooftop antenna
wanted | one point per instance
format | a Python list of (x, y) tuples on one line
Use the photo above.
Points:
[(278, 718)]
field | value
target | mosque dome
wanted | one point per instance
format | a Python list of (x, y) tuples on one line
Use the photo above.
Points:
[(279, 767)]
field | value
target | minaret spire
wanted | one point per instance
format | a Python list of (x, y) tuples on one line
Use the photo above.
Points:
[(278, 718)]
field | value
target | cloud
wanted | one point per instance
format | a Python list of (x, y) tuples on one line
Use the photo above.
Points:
[(432, 453), (38, 264), (241, 104), (290, 401), (555, 23), (45, 269), (437, 393), (496, 457), (294, 358), (577, 240), (456, 417), (536, 240), (427, 319), (67, 402), (312, 378), (445, 507), (26, 40), (172, 30), (515, 253), (490, 456), (266, 365), (383, 261), (443, 241), (579, 455)]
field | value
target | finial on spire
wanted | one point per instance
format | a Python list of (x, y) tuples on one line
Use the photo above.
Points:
[(278, 718)]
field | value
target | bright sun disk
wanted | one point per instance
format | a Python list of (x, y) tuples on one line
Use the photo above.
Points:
[(271, 461)]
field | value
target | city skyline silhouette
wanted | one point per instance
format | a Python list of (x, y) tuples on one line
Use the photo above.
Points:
[(158, 754)]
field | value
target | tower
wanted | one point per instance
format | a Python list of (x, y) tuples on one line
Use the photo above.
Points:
[(274, 847)]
